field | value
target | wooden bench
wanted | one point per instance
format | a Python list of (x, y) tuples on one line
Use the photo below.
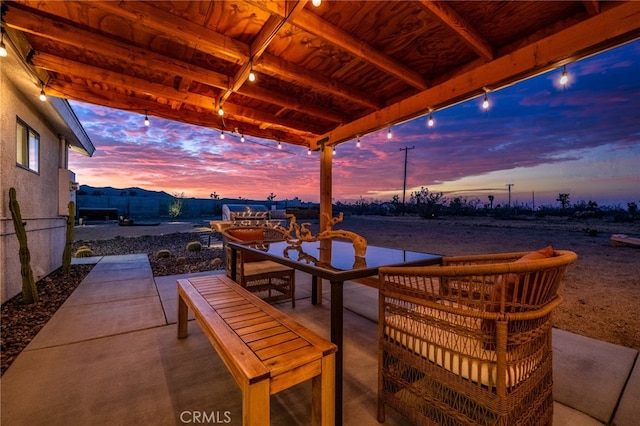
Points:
[(265, 350)]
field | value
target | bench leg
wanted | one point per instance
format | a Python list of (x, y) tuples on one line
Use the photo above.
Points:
[(183, 323), (323, 399), (255, 404)]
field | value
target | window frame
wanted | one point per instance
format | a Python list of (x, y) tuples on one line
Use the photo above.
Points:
[(27, 156)]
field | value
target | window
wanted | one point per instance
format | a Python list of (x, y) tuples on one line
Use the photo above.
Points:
[(28, 147)]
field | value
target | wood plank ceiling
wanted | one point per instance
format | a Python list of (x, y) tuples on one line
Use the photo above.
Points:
[(329, 73)]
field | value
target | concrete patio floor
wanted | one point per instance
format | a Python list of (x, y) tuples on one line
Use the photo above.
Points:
[(110, 356)]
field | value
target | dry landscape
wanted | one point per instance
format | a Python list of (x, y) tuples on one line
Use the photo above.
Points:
[(601, 290)]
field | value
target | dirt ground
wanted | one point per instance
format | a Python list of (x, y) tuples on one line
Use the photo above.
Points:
[(601, 290)]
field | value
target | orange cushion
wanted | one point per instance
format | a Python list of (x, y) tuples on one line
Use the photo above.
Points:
[(248, 234)]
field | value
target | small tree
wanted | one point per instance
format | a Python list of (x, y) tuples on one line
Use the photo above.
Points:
[(563, 199), (175, 208), (490, 202), (270, 198)]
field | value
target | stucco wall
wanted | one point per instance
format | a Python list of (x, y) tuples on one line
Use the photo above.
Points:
[(37, 194)]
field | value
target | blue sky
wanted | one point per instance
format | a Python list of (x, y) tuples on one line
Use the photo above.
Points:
[(582, 139)]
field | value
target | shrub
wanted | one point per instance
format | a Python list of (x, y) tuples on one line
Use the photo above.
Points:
[(194, 246), (215, 263)]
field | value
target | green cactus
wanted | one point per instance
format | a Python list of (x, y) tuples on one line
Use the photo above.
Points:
[(29, 290), (194, 246), (83, 252), (66, 254), (163, 254)]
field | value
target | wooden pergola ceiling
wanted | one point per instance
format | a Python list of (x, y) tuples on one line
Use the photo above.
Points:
[(324, 75)]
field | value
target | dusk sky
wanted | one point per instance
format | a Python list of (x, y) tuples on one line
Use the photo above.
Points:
[(582, 139)]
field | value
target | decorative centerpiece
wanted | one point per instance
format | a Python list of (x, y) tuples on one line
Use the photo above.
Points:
[(302, 234)]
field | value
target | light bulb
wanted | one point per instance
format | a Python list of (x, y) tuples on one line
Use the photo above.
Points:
[(309, 151), (43, 96), (3, 49), (279, 145), (389, 134), (220, 111), (485, 103), (316, 3), (222, 134), (358, 143), (564, 78), (431, 121), (252, 76), (334, 151), (242, 138)]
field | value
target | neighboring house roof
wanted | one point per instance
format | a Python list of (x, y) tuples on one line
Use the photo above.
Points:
[(56, 111)]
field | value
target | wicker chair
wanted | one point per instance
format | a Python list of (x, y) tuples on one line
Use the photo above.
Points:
[(269, 280), (469, 342)]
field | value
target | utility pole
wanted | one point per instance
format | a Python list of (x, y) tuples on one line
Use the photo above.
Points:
[(404, 185), (509, 185)]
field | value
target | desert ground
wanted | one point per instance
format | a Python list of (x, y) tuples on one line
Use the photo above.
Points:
[(601, 290)]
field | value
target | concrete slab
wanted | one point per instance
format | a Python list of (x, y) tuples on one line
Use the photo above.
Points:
[(111, 291), (85, 260), (118, 274), (628, 413), (362, 300), (112, 266), (589, 375), (566, 416), (75, 323), (168, 291), (123, 258)]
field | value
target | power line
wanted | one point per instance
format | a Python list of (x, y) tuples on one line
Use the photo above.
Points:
[(404, 184)]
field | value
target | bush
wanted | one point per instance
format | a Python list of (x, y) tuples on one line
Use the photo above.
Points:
[(194, 246)]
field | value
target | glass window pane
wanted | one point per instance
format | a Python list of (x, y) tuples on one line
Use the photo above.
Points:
[(21, 145), (34, 146)]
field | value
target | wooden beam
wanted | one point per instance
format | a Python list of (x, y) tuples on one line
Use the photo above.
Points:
[(591, 6), (210, 119), (454, 21), (243, 114), (259, 45), (313, 24), (610, 28), (223, 46)]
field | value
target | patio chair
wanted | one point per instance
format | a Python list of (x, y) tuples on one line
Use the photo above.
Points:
[(269, 280), (469, 341)]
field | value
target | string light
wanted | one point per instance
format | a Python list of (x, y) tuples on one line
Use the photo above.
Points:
[(279, 145), (242, 138), (252, 75), (309, 151), (389, 134), (431, 121), (146, 118), (220, 111), (43, 96), (358, 143), (316, 3), (221, 134), (485, 102), (334, 150), (3, 49), (564, 78)]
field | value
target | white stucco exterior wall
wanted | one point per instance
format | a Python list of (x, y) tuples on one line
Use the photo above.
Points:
[(37, 193)]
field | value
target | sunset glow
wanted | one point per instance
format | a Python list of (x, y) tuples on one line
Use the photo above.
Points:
[(582, 138)]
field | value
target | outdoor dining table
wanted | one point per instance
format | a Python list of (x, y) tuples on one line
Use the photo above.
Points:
[(335, 261)]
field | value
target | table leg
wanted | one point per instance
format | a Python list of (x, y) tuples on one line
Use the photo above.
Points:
[(234, 263), (316, 290), (336, 337)]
